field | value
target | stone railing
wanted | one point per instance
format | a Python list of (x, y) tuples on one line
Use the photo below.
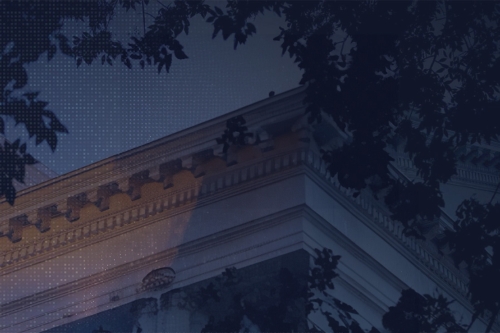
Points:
[(466, 172), (423, 251), (176, 197)]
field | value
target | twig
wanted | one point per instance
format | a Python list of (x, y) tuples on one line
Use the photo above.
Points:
[(163, 4), (492, 320), (343, 43), (474, 317), (143, 18), (433, 60), (494, 193)]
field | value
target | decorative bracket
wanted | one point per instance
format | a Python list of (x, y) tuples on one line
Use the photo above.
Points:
[(16, 225), (44, 216), (266, 143), (75, 204), (482, 156), (103, 194), (198, 159), (135, 183), (168, 170), (157, 279), (493, 160)]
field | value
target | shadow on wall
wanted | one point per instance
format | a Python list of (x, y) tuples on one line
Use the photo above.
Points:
[(189, 209), (174, 309)]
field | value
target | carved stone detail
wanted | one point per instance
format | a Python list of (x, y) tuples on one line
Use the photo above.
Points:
[(470, 154), (16, 225), (187, 162), (232, 156), (154, 173), (44, 216), (123, 184), (200, 158), (493, 161), (92, 195), (266, 143), (168, 170), (483, 156), (62, 206), (135, 183), (33, 217), (268, 166), (157, 279), (75, 204), (103, 195)]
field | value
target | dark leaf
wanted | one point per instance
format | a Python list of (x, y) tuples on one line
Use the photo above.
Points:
[(52, 141), (179, 54), (344, 307), (168, 61), (51, 52), (57, 126), (251, 28), (10, 193), (39, 139), (28, 159), (16, 143), (21, 77)]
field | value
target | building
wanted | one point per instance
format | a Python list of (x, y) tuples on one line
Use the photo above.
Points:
[(118, 244)]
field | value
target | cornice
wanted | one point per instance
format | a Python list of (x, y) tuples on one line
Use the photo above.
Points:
[(243, 177), (185, 142), (376, 216), (423, 254), (192, 150), (177, 200), (181, 200), (127, 172)]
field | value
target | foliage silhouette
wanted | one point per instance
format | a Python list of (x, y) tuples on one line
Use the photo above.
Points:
[(415, 313), (281, 305), (418, 75), (235, 133)]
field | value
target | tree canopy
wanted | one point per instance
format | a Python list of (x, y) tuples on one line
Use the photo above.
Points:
[(418, 75)]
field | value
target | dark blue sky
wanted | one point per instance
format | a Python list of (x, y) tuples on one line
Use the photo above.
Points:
[(111, 109)]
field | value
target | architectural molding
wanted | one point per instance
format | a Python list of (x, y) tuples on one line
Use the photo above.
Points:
[(376, 216), (183, 198), (197, 195), (156, 191)]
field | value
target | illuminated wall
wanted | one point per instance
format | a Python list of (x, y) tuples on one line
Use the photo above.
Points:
[(94, 247)]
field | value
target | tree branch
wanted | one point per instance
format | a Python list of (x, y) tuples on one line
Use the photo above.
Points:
[(492, 320), (433, 60)]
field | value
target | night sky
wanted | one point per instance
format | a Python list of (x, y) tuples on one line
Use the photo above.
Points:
[(111, 109)]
